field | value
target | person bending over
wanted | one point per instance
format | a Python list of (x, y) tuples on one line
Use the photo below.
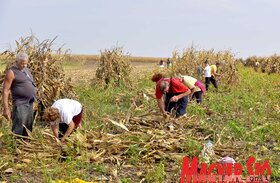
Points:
[(196, 87), (171, 93), (64, 116)]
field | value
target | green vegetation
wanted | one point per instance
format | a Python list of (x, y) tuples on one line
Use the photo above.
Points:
[(157, 174), (243, 118)]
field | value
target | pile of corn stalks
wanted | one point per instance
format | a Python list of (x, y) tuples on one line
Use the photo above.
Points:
[(266, 64), (114, 68), (45, 65), (191, 62)]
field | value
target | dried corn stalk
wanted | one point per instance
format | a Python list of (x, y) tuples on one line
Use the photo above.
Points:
[(150, 138), (114, 68), (267, 64), (191, 62), (45, 65)]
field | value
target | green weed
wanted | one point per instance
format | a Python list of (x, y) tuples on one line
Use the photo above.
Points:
[(158, 174)]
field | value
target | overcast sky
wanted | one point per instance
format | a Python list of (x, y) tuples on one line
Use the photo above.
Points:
[(146, 27)]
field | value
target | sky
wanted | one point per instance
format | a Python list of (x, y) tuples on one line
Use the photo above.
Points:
[(153, 28)]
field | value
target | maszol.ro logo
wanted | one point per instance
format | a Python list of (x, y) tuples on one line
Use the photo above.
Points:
[(226, 172)]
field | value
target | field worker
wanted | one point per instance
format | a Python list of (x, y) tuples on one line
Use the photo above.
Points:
[(176, 95), (168, 62), (214, 74), (199, 72), (19, 80), (64, 116), (196, 87), (210, 73), (207, 74), (161, 63), (256, 66)]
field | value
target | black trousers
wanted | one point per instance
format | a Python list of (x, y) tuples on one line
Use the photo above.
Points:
[(22, 117), (198, 96), (212, 80), (63, 127)]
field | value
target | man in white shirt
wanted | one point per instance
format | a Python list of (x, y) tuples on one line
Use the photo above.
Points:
[(64, 116)]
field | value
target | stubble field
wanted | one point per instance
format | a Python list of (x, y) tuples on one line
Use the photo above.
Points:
[(125, 139)]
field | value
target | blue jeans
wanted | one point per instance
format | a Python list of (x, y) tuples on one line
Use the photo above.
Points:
[(180, 105), (22, 115)]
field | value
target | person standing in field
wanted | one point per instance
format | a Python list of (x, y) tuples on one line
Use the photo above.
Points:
[(199, 71), (214, 74), (207, 74), (210, 73), (19, 81), (196, 87), (64, 116), (161, 64), (256, 66), (171, 94), (168, 62)]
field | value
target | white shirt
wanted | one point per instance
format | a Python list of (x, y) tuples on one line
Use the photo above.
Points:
[(207, 71), (67, 108)]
